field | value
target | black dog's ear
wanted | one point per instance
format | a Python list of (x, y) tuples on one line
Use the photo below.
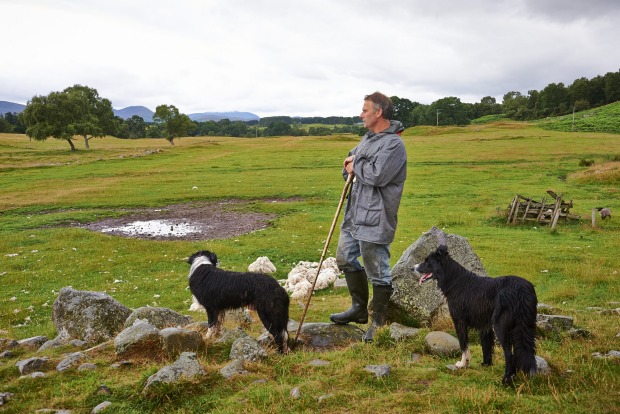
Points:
[(190, 260), (213, 258), (442, 250)]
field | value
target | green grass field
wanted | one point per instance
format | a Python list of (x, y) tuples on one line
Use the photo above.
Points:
[(459, 178)]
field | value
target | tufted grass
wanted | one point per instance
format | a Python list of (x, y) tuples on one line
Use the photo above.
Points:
[(461, 179)]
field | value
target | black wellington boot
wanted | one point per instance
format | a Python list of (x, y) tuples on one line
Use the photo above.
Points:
[(380, 298), (358, 288)]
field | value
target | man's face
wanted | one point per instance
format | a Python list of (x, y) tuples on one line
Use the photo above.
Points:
[(369, 115)]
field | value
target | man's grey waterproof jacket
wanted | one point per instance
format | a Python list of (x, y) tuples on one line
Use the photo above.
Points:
[(380, 168)]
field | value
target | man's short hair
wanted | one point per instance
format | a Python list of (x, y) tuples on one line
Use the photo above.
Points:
[(380, 101)]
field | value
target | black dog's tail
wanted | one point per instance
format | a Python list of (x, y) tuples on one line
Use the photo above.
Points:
[(524, 334)]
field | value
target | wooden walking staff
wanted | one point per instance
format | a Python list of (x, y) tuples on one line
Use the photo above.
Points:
[(329, 237)]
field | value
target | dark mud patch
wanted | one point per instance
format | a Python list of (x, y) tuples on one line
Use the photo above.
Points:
[(194, 221)]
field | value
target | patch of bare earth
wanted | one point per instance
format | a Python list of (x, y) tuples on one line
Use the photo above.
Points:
[(194, 221)]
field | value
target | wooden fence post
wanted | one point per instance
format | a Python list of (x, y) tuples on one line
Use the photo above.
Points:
[(593, 218)]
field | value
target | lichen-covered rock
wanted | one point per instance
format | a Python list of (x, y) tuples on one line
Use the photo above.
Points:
[(550, 324), (323, 336), (400, 332), (7, 343), (247, 349), (71, 361), (174, 341), (235, 367), (230, 336), (29, 365), (33, 342), (185, 368), (140, 339), (94, 317), (380, 371), (413, 304), (158, 317), (53, 343)]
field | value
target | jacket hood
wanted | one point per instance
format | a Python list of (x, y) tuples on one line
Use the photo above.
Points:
[(396, 127)]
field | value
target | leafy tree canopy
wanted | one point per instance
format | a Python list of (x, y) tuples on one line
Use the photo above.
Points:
[(174, 123), (76, 111)]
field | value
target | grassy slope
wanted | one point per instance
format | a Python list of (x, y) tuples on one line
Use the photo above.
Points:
[(602, 119), (459, 178)]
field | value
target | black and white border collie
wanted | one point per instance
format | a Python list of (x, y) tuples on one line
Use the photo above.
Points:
[(219, 290), (502, 307)]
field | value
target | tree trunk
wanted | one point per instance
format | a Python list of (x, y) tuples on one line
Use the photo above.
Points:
[(71, 143), (86, 139), (170, 140)]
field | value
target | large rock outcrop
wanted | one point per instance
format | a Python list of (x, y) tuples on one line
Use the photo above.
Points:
[(418, 305), (94, 317)]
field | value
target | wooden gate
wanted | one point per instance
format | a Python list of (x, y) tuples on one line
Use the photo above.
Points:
[(524, 209)]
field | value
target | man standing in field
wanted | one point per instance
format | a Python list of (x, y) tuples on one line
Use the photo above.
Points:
[(379, 166)]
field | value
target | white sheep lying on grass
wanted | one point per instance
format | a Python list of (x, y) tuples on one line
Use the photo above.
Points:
[(300, 278), (262, 265)]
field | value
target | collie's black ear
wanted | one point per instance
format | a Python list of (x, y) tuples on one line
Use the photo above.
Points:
[(212, 258), (190, 260), (442, 249)]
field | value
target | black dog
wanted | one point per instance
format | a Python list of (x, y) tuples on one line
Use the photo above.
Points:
[(505, 304), (219, 290)]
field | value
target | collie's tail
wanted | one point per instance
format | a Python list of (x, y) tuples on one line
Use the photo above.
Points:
[(524, 338)]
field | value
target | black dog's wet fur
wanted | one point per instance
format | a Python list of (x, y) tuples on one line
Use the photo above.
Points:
[(219, 290), (505, 304)]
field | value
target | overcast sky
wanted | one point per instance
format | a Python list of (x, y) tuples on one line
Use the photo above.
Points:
[(300, 57)]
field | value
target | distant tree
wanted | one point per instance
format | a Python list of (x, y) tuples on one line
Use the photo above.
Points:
[(96, 118), (136, 127), (298, 131), (421, 115), (5, 126), (278, 128), (533, 104), (209, 128), (155, 131), (238, 129), (514, 104), (554, 99), (612, 87), (403, 110), (15, 125), (267, 121), (77, 110), (579, 90), (121, 130), (320, 131), (487, 106), (173, 123), (450, 111), (597, 91)]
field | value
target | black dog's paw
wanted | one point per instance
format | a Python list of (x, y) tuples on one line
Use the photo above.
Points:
[(487, 363), (508, 379)]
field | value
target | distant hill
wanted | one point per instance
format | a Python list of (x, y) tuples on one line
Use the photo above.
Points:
[(141, 111), (147, 114), (6, 107), (216, 116)]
